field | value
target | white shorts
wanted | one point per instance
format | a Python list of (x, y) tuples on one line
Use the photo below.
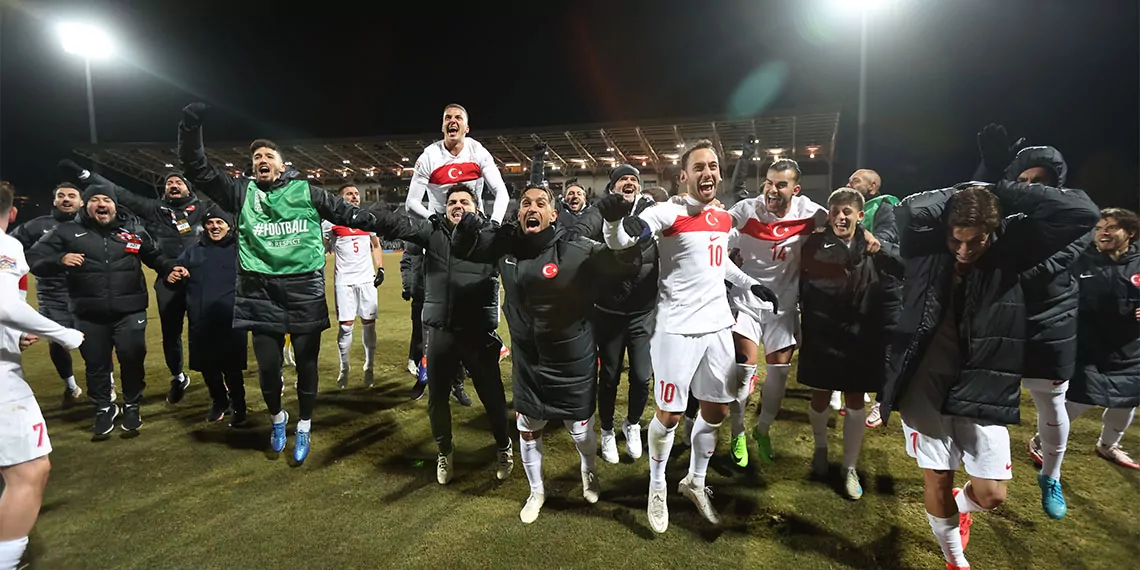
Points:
[(1045, 385), (527, 423), (774, 331), (23, 433), (355, 301), (701, 363), (950, 441)]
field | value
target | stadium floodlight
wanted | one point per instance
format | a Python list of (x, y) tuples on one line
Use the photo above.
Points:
[(86, 41)]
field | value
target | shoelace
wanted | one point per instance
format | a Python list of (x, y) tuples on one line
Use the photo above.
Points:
[(1055, 491)]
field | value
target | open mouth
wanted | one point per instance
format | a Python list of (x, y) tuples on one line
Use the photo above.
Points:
[(453, 128), (264, 169), (102, 212), (532, 222)]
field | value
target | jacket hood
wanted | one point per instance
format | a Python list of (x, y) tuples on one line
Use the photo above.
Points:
[(1045, 156)]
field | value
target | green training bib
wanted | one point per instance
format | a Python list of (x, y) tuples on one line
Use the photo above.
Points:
[(279, 232)]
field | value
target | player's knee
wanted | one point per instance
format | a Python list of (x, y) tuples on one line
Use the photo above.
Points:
[(669, 419), (528, 435), (32, 475), (346, 324), (988, 494), (367, 321)]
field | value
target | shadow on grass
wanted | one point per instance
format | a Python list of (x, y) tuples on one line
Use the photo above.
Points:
[(362, 439), (234, 438)]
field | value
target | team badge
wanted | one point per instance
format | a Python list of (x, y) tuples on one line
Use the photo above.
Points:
[(9, 263), (549, 271), (1136, 279)]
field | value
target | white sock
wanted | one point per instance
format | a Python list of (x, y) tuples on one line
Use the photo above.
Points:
[(704, 443), (530, 451), (660, 445), (586, 440), (965, 503), (853, 429), (1052, 429), (343, 341), (1116, 420), (368, 337), (304, 425), (70, 383), (737, 407), (819, 426), (11, 551), (772, 395), (946, 532), (279, 417)]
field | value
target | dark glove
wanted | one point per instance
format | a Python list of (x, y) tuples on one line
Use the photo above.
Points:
[(750, 147), (614, 207), (995, 148), (406, 295), (72, 171), (634, 227), (470, 223), (192, 115), (765, 294), (436, 221), (379, 277)]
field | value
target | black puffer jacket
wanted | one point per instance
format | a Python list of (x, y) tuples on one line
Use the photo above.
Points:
[(162, 218), (1051, 296), (885, 229), (109, 283), (412, 272), (210, 290), (51, 291), (275, 304), (459, 295), (1108, 350), (626, 294), (549, 279), (842, 317), (1041, 221)]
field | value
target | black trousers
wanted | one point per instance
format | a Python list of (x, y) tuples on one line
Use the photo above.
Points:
[(126, 336), (416, 346), (479, 352), (617, 335), (267, 348), (227, 387), (60, 356), (171, 313)]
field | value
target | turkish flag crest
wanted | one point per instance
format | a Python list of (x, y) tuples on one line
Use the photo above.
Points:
[(549, 270)]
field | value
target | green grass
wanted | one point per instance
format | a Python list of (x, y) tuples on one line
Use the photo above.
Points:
[(184, 494)]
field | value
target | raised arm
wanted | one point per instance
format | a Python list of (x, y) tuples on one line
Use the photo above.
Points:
[(393, 226), (479, 241), (143, 207), (919, 219), (417, 189), (1054, 218), (341, 213), (494, 179), (619, 233), (215, 183)]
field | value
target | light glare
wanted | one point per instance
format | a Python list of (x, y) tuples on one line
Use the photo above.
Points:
[(86, 41)]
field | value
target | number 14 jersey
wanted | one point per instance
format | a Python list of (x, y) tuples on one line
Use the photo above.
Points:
[(770, 246)]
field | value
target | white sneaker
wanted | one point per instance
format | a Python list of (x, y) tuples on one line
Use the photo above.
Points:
[(506, 462), (342, 379), (443, 468), (113, 396), (836, 401), (632, 440), (590, 487), (851, 485), (413, 368), (700, 496), (533, 506), (369, 378), (658, 511), (609, 446)]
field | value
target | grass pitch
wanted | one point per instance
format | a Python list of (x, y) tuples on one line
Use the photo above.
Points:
[(184, 494)]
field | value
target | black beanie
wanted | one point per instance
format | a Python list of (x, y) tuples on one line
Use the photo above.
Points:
[(179, 176), (216, 212), (622, 170), (97, 189)]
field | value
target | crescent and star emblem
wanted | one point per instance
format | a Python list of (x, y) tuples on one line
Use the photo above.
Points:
[(710, 219), (779, 231), (453, 173)]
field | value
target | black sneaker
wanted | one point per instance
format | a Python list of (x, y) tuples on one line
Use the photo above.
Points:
[(237, 418), (217, 412), (461, 396), (178, 386), (132, 421), (418, 390), (105, 419)]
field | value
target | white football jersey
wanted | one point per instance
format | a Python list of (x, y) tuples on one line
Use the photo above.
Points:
[(770, 246), (13, 269), (693, 251), (437, 169), (352, 252)]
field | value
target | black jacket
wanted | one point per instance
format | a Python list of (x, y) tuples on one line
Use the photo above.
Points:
[(549, 279), (885, 229), (51, 291), (412, 272), (268, 303), (1108, 350), (210, 289), (842, 317), (1051, 295), (624, 294), (459, 295), (162, 217), (567, 218), (109, 283), (1040, 222)]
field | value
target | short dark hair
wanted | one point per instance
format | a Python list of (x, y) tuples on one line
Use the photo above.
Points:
[(703, 143), (572, 183), (263, 143), (846, 197), (7, 197), (529, 186), (460, 188), (466, 115), (1126, 219), (658, 193), (66, 185), (340, 189), (975, 206), (784, 165)]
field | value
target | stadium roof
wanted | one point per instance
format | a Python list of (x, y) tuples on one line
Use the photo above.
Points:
[(651, 144)]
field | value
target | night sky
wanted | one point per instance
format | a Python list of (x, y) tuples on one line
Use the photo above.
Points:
[(1060, 72)]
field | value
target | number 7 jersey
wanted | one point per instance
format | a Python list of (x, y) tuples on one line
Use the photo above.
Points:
[(770, 246)]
